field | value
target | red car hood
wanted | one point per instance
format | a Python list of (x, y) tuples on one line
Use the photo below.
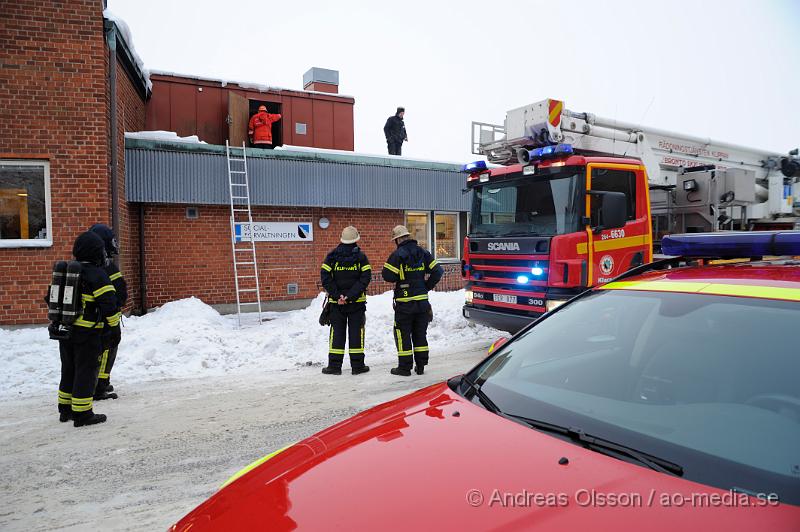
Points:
[(433, 460)]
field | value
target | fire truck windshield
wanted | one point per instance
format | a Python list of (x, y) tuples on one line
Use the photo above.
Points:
[(531, 205)]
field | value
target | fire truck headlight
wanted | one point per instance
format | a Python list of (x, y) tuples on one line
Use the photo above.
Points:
[(552, 304), (537, 271), (522, 279), (468, 296)]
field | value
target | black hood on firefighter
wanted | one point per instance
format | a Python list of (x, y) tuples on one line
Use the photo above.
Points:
[(89, 248), (105, 232)]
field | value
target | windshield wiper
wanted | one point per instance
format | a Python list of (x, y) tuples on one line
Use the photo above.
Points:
[(602, 446), (482, 397)]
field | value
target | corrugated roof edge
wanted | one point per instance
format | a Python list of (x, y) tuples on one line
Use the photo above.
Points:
[(367, 160)]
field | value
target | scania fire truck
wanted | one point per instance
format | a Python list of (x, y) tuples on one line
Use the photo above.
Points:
[(578, 199)]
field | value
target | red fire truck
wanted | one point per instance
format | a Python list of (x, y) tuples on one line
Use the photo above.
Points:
[(579, 199)]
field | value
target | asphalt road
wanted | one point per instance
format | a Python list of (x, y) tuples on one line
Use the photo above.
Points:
[(168, 445)]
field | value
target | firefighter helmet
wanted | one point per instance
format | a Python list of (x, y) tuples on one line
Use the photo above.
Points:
[(350, 235)]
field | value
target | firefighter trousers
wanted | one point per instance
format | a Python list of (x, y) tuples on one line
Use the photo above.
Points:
[(346, 324), (80, 360), (107, 359), (411, 338)]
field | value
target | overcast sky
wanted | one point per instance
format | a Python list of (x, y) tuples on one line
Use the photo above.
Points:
[(729, 70)]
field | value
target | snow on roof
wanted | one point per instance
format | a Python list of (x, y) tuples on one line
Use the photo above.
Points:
[(128, 37), (163, 135), (261, 87), (289, 147)]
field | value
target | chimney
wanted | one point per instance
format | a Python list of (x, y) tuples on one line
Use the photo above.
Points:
[(321, 80)]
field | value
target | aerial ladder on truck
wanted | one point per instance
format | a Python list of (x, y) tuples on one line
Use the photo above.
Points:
[(579, 199)]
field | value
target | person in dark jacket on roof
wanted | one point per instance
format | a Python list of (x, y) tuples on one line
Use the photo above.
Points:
[(395, 131), (414, 273), (260, 127), (80, 354), (113, 335), (345, 275)]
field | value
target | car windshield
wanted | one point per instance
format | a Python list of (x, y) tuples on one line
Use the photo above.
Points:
[(708, 382), (535, 205)]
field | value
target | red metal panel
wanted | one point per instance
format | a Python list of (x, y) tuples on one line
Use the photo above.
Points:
[(286, 121), (210, 115), (323, 124), (157, 108), (183, 106), (302, 113), (343, 136)]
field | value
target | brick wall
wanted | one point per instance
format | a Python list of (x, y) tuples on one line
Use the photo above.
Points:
[(193, 257), (54, 106), (52, 96)]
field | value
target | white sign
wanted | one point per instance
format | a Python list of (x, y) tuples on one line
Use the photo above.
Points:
[(275, 232)]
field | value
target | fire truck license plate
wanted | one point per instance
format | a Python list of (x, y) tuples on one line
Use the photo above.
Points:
[(502, 298)]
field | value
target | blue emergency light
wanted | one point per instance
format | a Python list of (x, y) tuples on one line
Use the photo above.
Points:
[(522, 279), (733, 244), (476, 166), (545, 152), (537, 271)]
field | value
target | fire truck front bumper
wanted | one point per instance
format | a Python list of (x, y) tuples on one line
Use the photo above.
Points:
[(498, 320)]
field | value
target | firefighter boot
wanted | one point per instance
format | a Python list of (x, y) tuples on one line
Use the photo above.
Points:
[(357, 364), (419, 369), (105, 394), (334, 366), (403, 366), (88, 418), (64, 413)]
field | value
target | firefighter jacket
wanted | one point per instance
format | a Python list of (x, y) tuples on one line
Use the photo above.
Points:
[(395, 129), (98, 297), (346, 272), (260, 128), (408, 268), (119, 284)]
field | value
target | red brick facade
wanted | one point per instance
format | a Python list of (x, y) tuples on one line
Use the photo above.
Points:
[(54, 106), (193, 257)]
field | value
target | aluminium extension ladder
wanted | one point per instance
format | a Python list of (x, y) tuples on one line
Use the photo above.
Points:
[(245, 265)]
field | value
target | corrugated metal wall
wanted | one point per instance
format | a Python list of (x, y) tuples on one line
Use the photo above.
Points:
[(160, 176)]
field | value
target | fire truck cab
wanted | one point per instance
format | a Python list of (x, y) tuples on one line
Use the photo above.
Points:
[(542, 232)]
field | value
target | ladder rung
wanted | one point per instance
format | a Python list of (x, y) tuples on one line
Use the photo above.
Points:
[(245, 263), (241, 210), (238, 172), (243, 249), (246, 276), (239, 197), (238, 184), (247, 290)]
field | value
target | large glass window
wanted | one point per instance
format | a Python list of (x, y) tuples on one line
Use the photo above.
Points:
[(24, 203), (446, 236), (540, 205), (418, 224), (615, 181)]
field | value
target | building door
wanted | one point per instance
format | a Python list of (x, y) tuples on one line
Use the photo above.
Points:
[(238, 119)]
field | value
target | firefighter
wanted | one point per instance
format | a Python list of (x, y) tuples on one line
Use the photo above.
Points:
[(81, 353), (407, 267), (395, 132), (113, 334), (345, 275), (260, 128)]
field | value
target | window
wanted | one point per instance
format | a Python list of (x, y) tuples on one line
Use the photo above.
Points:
[(615, 181), (24, 204), (417, 224), (446, 236)]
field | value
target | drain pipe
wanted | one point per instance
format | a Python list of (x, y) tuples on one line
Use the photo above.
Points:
[(112, 81), (142, 269)]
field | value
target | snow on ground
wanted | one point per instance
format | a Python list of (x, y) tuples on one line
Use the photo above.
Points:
[(188, 338), (163, 135)]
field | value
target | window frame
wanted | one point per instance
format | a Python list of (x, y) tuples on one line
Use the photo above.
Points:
[(33, 242), (457, 217), (428, 223)]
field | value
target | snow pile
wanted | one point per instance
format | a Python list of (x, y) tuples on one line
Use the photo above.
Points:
[(188, 338), (307, 149), (170, 136), (126, 34)]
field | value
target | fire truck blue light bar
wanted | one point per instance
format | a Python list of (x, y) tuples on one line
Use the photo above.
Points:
[(476, 166), (732, 245)]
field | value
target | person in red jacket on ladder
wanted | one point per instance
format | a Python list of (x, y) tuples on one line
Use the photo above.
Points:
[(260, 129)]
